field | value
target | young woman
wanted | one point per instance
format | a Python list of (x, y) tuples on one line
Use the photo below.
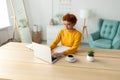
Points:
[(68, 36)]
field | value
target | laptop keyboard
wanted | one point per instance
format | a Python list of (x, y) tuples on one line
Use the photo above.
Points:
[(53, 58)]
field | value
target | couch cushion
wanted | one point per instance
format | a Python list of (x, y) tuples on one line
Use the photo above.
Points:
[(103, 43), (108, 29)]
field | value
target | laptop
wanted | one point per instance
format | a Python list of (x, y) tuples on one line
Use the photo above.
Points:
[(43, 52)]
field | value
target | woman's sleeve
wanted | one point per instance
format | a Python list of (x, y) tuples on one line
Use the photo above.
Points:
[(75, 45), (56, 40)]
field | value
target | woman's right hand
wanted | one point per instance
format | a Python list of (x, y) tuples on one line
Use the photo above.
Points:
[(54, 54)]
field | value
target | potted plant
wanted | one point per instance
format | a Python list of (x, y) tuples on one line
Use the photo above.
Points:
[(90, 56)]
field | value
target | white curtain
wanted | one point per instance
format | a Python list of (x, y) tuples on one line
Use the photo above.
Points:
[(4, 19)]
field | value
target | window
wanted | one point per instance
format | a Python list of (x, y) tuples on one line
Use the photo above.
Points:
[(4, 19)]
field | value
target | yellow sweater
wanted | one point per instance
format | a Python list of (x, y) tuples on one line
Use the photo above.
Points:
[(67, 38)]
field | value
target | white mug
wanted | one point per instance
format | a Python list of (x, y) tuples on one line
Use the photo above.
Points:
[(70, 58)]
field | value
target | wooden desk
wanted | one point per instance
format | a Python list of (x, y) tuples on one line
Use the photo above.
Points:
[(18, 63)]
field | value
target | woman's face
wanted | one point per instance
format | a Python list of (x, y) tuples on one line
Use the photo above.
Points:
[(68, 25)]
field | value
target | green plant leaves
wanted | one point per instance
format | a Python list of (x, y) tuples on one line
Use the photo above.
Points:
[(91, 53)]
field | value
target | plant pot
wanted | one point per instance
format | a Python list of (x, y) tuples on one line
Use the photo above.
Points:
[(90, 58)]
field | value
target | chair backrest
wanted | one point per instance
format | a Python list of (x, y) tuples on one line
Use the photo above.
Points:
[(108, 28), (116, 40), (118, 31)]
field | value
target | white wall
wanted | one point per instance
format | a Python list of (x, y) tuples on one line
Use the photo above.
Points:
[(109, 9), (41, 11)]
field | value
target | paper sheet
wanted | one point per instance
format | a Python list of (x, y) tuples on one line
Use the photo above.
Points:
[(60, 49)]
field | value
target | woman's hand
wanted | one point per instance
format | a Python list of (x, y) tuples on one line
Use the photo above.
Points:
[(54, 54)]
